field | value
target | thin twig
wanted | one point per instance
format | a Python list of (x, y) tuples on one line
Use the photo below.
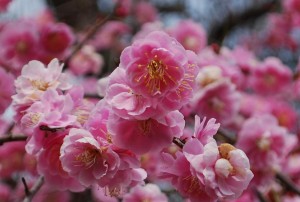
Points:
[(93, 96), (12, 138), (260, 196), (178, 142), (229, 138), (36, 187), (53, 130), (27, 192), (219, 31), (88, 36), (288, 183)]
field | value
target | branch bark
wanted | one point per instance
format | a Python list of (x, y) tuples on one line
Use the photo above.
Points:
[(36, 187), (12, 138), (287, 183)]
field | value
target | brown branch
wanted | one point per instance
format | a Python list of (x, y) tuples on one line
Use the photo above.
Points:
[(219, 31), (260, 196), (12, 138), (93, 96), (35, 188), (88, 36), (53, 130), (27, 192), (178, 142), (228, 137), (287, 183)]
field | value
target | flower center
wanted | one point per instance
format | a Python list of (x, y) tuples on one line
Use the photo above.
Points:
[(224, 150), (40, 85), (263, 144), (88, 157), (155, 77), (145, 126), (193, 184)]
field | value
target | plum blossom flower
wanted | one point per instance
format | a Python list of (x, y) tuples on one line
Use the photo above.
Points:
[(55, 38), (205, 170), (218, 100), (53, 110), (142, 136), (162, 79), (18, 44), (154, 65), (110, 35), (145, 12), (86, 61), (266, 144), (190, 34), (50, 166), (82, 156), (178, 171), (94, 160), (271, 77), (124, 101), (35, 79), (149, 192)]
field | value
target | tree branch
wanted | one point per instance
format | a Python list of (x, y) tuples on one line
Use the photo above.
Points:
[(36, 187), (178, 142), (220, 30), (287, 183), (260, 196), (12, 138), (228, 137), (88, 36)]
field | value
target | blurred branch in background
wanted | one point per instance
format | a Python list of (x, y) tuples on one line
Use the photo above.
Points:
[(219, 31), (77, 13)]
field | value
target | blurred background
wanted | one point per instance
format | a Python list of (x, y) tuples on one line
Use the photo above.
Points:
[(227, 23)]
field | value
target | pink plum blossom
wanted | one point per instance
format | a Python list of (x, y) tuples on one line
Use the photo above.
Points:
[(183, 94), (18, 44), (271, 77), (50, 166), (86, 61), (55, 38), (36, 78), (204, 170), (110, 35), (149, 192), (154, 65), (190, 34), (87, 159), (124, 101), (53, 110), (142, 136), (145, 12), (218, 100), (266, 144), (178, 171)]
